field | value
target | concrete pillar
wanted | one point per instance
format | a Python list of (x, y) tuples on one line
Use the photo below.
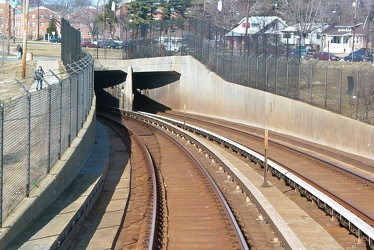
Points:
[(128, 95)]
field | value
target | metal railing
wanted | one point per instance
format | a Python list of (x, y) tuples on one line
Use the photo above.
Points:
[(262, 61), (36, 128)]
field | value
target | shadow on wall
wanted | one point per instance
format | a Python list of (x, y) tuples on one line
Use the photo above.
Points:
[(105, 79), (146, 104), (153, 80), (104, 98)]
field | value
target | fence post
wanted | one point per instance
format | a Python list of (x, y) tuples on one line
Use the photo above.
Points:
[(287, 76), (311, 83), (28, 137), (232, 61), (341, 89), (216, 44), (299, 79), (325, 105), (357, 92), (49, 98), (60, 116), (1, 161)]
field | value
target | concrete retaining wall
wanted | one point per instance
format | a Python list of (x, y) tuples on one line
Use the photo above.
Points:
[(50, 188), (205, 93)]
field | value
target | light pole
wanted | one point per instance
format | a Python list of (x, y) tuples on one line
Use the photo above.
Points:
[(37, 38), (25, 20), (354, 27)]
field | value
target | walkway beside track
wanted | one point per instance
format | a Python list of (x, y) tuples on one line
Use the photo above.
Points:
[(63, 218), (309, 232)]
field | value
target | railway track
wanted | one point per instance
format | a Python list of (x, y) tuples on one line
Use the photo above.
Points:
[(349, 181), (178, 206), (162, 221)]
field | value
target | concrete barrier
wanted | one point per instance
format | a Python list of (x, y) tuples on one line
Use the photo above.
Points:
[(205, 93), (50, 188)]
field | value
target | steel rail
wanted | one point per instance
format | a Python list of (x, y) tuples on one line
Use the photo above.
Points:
[(356, 225), (284, 232), (144, 148), (218, 192)]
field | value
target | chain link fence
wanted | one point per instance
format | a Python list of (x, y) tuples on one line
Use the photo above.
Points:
[(262, 61), (38, 127)]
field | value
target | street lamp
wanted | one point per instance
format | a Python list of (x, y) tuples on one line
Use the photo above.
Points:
[(38, 20), (354, 27)]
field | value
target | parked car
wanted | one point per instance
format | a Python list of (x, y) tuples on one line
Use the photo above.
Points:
[(88, 45), (109, 43), (295, 52), (54, 39), (355, 57), (325, 56), (114, 45)]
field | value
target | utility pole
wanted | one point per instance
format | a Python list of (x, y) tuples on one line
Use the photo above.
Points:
[(8, 13), (247, 24), (24, 46), (38, 20), (354, 28)]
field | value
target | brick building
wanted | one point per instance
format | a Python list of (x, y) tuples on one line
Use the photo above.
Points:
[(39, 20), (4, 17), (84, 20)]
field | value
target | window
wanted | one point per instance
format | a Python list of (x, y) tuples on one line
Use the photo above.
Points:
[(344, 29), (345, 40), (1, 26), (357, 39), (33, 16), (1, 10), (32, 24), (41, 24), (41, 16), (336, 39), (50, 16), (1, 18)]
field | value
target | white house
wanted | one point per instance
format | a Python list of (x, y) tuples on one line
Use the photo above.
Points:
[(255, 25), (337, 38), (291, 35)]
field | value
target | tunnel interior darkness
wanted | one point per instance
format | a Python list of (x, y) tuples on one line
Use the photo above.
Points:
[(142, 81)]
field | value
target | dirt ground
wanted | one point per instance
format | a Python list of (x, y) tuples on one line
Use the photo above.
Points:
[(11, 67)]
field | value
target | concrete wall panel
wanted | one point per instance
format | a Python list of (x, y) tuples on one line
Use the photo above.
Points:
[(205, 93)]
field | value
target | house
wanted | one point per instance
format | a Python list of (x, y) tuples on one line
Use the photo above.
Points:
[(291, 34), (84, 20), (255, 25), (4, 17), (38, 23), (337, 38)]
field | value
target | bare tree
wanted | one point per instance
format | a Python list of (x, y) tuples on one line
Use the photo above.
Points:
[(305, 14), (65, 7), (232, 10)]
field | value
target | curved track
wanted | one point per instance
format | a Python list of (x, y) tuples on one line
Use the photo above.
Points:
[(346, 182), (194, 213), (177, 207), (345, 178)]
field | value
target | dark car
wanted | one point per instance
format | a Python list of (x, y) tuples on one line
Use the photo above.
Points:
[(109, 44), (370, 58), (54, 39), (355, 57), (88, 45), (114, 45), (295, 52), (325, 56)]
